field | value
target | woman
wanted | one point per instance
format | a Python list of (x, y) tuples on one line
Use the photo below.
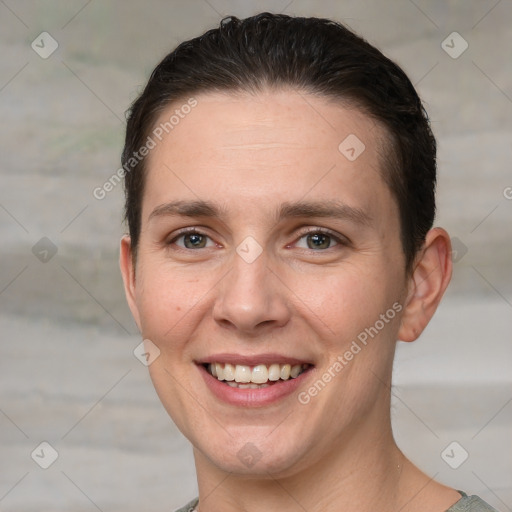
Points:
[(280, 176)]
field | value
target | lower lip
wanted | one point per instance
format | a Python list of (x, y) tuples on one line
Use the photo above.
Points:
[(252, 397)]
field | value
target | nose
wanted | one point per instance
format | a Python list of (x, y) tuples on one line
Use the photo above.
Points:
[(251, 299)]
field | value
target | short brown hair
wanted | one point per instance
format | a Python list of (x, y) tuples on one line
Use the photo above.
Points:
[(314, 55)]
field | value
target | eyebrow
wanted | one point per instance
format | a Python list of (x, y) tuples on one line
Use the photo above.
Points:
[(187, 209), (323, 209)]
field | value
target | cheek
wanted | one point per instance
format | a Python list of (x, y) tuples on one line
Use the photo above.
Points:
[(356, 316), (346, 302), (169, 301), (170, 304)]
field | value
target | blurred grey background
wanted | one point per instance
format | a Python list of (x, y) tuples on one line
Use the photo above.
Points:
[(68, 373)]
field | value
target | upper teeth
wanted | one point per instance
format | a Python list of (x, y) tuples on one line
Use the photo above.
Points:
[(258, 374)]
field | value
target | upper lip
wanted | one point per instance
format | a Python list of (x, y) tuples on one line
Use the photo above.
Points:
[(252, 360)]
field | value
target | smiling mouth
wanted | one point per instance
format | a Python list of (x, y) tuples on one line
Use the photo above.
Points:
[(254, 377)]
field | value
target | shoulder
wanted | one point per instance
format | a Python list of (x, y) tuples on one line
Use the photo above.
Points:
[(471, 504), (189, 507), (465, 504)]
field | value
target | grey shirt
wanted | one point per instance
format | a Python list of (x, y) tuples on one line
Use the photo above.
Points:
[(465, 504)]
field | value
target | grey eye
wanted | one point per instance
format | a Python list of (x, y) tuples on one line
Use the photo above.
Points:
[(193, 240), (317, 241)]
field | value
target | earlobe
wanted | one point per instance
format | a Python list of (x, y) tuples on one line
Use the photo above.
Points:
[(431, 276), (127, 266)]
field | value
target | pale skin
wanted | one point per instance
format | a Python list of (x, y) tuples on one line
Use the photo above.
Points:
[(249, 156)]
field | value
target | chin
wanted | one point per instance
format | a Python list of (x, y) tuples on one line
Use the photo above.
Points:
[(250, 451)]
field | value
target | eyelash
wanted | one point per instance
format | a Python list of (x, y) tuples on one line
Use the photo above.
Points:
[(184, 232), (340, 240)]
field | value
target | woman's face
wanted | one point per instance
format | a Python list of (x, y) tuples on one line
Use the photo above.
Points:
[(269, 238)]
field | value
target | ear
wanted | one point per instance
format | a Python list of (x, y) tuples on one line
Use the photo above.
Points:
[(127, 264), (431, 275)]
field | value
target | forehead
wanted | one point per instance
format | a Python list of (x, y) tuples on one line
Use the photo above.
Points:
[(263, 148)]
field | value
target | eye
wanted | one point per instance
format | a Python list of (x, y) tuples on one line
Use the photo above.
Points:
[(193, 240), (317, 241)]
